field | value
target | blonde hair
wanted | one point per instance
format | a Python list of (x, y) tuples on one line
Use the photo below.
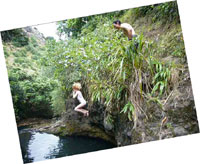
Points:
[(76, 86)]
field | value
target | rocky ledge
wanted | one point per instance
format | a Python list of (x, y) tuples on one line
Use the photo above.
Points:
[(179, 114), (74, 123)]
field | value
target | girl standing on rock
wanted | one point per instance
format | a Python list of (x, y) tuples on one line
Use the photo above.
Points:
[(77, 93)]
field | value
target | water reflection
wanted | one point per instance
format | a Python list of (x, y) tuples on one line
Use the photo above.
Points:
[(38, 146), (41, 145)]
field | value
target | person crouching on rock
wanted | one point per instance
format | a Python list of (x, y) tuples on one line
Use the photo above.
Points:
[(77, 93)]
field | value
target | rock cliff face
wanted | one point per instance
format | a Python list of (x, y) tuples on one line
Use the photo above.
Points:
[(74, 123), (179, 114), (177, 118), (33, 32)]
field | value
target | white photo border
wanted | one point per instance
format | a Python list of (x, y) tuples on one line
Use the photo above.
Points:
[(22, 13)]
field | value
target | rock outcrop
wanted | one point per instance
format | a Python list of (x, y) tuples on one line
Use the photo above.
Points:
[(179, 115), (177, 118), (33, 32), (74, 123)]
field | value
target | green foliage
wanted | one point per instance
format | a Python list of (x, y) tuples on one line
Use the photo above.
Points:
[(113, 69), (74, 27), (122, 75), (33, 41), (5, 52), (173, 44), (164, 12), (30, 47), (19, 60), (31, 95), (23, 53), (31, 91), (58, 101), (155, 100), (169, 126), (107, 62), (129, 109), (17, 36), (161, 78), (109, 119)]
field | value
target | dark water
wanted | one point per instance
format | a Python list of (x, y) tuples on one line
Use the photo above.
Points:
[(38, 146)]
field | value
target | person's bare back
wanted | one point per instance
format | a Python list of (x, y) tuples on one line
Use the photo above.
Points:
[(127, 29)]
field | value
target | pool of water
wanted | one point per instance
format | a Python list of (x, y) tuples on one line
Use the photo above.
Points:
[(37, 146)]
